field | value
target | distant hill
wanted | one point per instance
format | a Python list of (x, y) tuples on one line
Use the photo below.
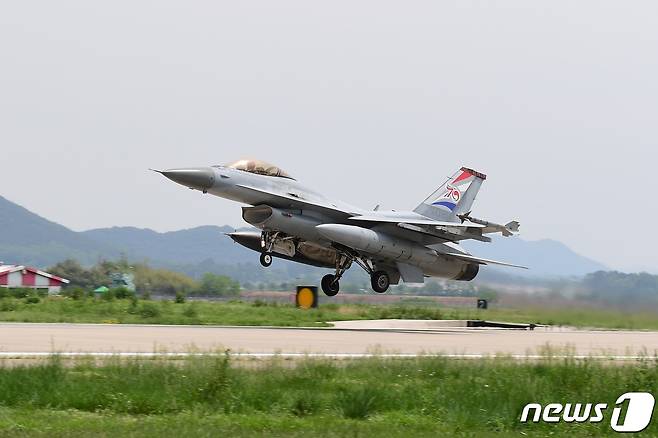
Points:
[(544, 258), (27, 238), (190, 246)]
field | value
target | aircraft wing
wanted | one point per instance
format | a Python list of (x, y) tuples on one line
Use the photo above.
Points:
[(290, 201), (480, 261), (395, 220)]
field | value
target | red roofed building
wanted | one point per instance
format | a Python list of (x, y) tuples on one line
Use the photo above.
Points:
[(25, 276)]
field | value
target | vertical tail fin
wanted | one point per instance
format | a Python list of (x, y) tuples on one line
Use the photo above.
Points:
[(454, 197)]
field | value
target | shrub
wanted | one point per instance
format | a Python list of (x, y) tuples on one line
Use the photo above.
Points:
[(109, 295), (218, 285), (19, 292), (305, 404), (133, 309), (122, 293), (149, 310), (75, 292), (191, 311), (8, 305), (218, 382), (357, 403), (32, 299), (161, 281), (180, 297)]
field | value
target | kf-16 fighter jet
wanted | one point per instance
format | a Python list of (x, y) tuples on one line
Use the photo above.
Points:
[(301, 225)]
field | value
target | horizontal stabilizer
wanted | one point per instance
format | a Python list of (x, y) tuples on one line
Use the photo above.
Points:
[(478, 260)]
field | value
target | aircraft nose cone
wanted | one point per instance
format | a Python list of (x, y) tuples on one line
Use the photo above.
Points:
[(200, 178)]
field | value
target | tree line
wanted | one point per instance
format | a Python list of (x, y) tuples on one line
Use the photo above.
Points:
[(147, 280), (621, 290)]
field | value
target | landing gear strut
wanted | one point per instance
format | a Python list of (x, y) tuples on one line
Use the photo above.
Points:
[(330, 282), (379, 280)]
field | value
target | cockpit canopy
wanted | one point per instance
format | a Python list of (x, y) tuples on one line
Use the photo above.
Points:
[(259, 167)]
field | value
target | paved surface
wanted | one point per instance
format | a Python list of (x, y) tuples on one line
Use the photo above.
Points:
[(402, 337)]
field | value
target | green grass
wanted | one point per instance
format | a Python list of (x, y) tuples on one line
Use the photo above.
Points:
[(89, 310), (207, 396)]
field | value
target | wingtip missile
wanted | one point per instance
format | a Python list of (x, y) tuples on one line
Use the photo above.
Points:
[(507, 230)]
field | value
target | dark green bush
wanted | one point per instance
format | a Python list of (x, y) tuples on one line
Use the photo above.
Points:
[(32, 299), (123, 293), (74, 292), (357, 403), (306, 403), (191, 311), (149, 310), (180, 297), (8, 305), (20, 292), (108, 296)]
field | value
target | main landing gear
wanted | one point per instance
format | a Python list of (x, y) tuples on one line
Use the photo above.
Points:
[(330, 285), (379, 280), (330, 282)]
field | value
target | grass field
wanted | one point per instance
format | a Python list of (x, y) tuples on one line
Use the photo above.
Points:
[(208, 396), (89, 310)]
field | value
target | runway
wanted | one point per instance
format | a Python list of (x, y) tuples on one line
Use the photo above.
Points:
[(347, 339)]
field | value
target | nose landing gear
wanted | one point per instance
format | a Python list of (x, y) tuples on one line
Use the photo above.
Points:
[(266, 259), (267, 241)]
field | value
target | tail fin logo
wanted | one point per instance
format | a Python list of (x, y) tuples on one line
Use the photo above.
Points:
[(450, 198), (451, 194), (455, 196)]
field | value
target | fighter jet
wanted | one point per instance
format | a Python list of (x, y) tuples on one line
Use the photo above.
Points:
[(299, 224)]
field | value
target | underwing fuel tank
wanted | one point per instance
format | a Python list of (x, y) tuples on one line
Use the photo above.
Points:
[(376, 243)]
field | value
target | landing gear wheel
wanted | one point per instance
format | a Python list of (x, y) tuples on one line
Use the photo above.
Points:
[(266, 259), (330, 286), (380, 281)]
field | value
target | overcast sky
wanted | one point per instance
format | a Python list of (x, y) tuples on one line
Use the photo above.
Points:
[(367, 101)]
